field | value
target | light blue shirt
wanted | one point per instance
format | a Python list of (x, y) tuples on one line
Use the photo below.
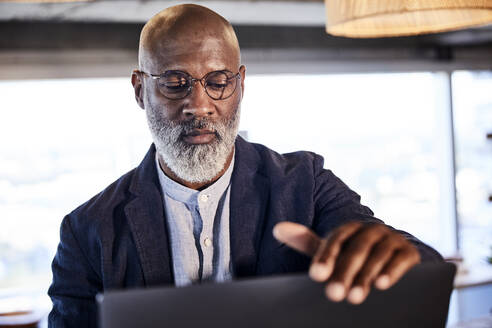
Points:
[(198, 226)]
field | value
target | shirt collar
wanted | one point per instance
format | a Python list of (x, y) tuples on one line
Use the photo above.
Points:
[(190, 196)]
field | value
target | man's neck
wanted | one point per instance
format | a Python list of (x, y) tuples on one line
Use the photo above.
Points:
[(194, 185)]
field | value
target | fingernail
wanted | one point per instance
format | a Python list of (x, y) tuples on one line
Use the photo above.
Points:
[(356, 295), (382, 282), (319, 272), (335, 291), (276, 232)]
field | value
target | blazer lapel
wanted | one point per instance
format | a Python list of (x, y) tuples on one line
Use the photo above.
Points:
[(145, 215), (249, 199)]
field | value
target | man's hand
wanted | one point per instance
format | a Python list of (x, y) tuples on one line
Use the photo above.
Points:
[(352, 258)]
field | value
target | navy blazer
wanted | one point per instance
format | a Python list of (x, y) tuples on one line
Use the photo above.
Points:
[(119, 238)]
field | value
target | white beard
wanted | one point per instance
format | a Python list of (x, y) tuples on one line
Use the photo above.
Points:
[(193, 163)]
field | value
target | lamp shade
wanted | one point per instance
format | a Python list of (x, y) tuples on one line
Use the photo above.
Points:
[(383, 18)]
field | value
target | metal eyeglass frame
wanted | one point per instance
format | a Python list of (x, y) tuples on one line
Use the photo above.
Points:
[(192, 81)]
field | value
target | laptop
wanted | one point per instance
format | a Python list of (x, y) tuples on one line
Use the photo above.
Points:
[(419, 299)]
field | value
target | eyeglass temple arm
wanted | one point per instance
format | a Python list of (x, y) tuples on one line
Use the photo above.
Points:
[(155, 77)]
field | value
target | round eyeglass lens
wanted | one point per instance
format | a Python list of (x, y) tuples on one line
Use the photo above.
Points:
[(220, 85), (174, 84)]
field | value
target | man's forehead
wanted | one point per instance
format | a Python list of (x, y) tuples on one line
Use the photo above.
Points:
[(185, 45), (208, 53), (190, 63)]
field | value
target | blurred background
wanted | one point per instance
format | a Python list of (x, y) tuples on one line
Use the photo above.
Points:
[(405, 121)]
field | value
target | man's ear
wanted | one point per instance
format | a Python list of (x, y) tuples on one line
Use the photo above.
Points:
[(242, 70), (137, 87)]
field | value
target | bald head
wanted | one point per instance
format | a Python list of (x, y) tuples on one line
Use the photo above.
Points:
[(181, 31)]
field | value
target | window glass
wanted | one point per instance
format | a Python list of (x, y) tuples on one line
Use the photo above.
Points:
[(65, 140), (472, 102), (386, 135)]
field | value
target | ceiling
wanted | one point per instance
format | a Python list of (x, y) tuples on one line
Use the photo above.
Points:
[(301, 12), (293, 13), (268, 31)]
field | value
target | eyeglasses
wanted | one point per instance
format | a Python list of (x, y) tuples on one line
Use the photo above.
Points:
[(176, 85)]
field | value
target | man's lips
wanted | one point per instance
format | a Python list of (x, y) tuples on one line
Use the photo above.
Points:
[(199, 136), (197, 132)]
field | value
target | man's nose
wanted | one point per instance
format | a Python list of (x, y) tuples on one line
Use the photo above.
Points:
[(198, 103)]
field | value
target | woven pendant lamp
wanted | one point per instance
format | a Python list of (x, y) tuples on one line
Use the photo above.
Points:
[(384, 18)]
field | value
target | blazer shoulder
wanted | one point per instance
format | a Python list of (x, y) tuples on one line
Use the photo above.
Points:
[(103, 205), (288, 164)]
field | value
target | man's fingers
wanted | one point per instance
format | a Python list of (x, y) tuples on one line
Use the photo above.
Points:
[(325, 258), (321, 271), (352, 259), (297, 236), (380, 255), (402, 261)]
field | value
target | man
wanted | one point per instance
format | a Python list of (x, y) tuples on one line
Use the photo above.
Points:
[(206, 205)]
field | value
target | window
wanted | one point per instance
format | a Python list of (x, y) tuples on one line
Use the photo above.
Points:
[(472, 99), (63, 141), (388, 136)]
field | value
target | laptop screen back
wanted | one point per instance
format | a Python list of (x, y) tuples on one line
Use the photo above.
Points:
[(419, 299)]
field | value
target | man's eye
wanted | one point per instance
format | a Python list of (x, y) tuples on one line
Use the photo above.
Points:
[(217, 85), (175, 85)]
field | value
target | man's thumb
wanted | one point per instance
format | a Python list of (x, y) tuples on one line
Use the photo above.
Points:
[(297, 236)]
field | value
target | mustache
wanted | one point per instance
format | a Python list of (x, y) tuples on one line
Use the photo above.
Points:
[(188, 127), (204, 123)]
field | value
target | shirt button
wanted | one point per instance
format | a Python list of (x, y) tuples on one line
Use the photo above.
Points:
[(204, 198), (207, 242)]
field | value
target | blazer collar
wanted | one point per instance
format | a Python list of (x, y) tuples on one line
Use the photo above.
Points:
[(250, 191), (145, 214)]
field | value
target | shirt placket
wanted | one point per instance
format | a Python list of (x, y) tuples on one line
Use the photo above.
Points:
[(205, 203)]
